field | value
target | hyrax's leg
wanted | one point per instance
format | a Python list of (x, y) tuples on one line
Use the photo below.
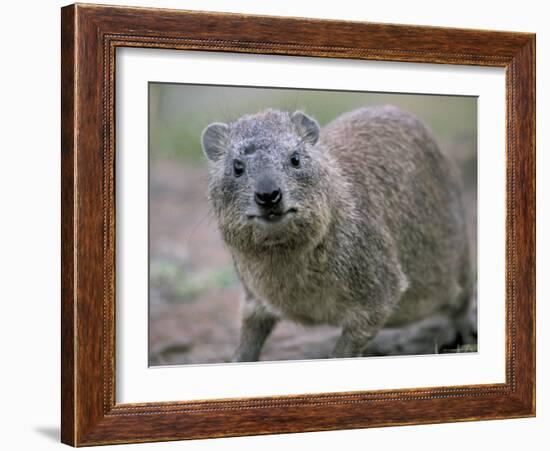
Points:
[(353, 340), (257, 324), (462, 320), (363, 323), (462, 317)]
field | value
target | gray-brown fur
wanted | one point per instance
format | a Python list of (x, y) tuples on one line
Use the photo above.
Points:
[(374, 233)]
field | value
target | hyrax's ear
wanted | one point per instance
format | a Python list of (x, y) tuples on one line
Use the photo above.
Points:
[(307, 127), (214, 140)]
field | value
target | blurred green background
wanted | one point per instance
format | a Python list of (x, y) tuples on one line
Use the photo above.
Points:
[(179, 113), (193, 290)]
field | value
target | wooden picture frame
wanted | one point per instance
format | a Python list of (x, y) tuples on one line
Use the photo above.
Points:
[(90, 35)]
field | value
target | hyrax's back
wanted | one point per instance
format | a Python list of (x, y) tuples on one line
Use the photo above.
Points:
[(403, 182)]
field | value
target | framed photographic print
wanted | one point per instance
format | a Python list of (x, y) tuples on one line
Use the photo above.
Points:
[(279, 225)]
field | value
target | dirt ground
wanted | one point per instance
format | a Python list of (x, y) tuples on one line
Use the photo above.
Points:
[(194, 296)]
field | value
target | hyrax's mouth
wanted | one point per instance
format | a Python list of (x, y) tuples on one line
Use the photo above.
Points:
[(271, 216)]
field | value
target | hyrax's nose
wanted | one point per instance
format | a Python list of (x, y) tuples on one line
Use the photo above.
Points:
[(267, 193)]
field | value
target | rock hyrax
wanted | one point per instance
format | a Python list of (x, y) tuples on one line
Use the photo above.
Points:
[(359, 224)]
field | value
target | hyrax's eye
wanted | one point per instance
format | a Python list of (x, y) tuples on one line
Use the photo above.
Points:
[(238, 168), (295, 159)]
